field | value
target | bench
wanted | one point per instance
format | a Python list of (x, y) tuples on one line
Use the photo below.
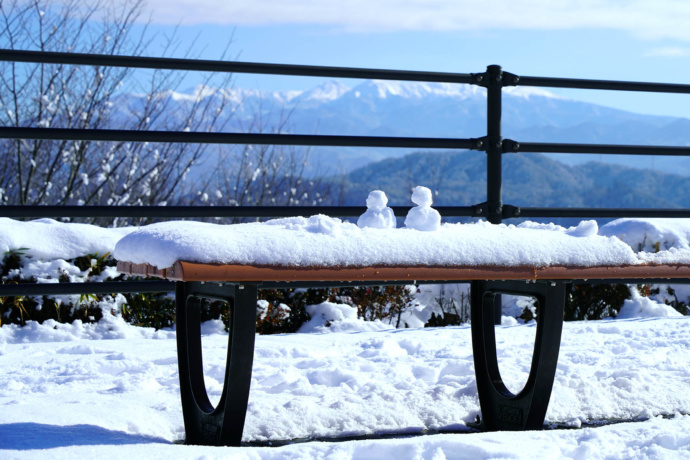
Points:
[(237, 285)]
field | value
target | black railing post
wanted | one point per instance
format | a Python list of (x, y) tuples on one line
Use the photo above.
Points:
[(494, 148)]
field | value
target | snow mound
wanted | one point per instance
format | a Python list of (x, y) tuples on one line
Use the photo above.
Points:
[(658, 241), (108, 328), (337, 317), (644, 307), (325, 241), (583, 229), (650, 235), (50, 239)]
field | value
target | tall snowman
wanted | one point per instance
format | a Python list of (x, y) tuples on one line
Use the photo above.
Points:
[(423, 217)]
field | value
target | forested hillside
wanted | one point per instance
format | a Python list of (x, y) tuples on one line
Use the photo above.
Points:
[(459, 178)]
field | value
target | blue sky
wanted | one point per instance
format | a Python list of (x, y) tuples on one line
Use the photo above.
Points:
[(607, 39)]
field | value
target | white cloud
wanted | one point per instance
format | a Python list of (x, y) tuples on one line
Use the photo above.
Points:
[(668, 51), (644, 18)]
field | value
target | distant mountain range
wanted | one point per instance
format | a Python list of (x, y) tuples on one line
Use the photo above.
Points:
[(383, 108), (459, 179)]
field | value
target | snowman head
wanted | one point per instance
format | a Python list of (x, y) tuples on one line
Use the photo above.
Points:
[(421, 196), (377, 200)]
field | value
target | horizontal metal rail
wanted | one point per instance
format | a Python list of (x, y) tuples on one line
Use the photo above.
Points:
[(163, 286), (322, 71), (606, 149), (122, 135), (24, 211), (142, 62), (118, 135), (529, 212), (610, 85), (107, 287), (656, 281), (159, 212)]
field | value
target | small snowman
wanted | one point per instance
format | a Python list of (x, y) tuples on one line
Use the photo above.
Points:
[(377, 214), (422, 217)]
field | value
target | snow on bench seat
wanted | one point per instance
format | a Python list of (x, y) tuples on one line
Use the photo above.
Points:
[(322, 248)]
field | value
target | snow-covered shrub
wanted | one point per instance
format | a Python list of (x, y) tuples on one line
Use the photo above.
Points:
[(278, 311), (597, 301), (444, 304), (639, 306), (673, 296), (324, 314), (594, 301), (338, 317), (283, 310), (289, 310), (152, 310), (388, 304)]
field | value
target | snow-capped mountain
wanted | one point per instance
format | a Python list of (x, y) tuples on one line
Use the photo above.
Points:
[(329, 91), (412, 109)]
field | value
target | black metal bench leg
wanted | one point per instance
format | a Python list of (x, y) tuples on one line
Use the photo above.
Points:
[(204, 424), (502, 410)]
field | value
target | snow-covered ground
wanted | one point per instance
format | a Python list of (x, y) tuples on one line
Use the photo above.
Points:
[(110, 390)]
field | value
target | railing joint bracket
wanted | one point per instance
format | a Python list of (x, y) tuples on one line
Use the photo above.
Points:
[(480, 143), (510, 145), (480, 79), (501, 78), (510, 79), (511, 211), (480, 209), (495, 143)]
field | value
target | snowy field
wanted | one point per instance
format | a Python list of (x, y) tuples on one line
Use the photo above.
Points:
[(110, 390)]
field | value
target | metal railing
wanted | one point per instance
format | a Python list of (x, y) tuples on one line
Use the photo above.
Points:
[(493, 209)]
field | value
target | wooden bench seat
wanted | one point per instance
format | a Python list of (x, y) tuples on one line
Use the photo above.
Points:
[(192, 271), (238, 286)]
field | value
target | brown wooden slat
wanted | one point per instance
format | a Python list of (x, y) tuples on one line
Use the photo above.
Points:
[(144, 270), (191, 271)]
